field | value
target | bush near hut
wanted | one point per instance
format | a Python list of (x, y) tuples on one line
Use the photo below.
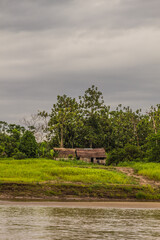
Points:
[(127, 154)]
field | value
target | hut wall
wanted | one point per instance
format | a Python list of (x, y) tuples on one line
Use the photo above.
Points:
[(101, 161), (94, 160)]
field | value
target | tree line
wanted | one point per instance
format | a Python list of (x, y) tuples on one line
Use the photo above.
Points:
[(86, 122)]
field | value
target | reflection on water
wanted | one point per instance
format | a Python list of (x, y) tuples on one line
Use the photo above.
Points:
[(26, 222)]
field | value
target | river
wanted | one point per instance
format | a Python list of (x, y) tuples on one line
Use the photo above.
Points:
[(78, 221)]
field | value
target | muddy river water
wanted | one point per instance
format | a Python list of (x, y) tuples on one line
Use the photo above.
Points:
[(74, 221)]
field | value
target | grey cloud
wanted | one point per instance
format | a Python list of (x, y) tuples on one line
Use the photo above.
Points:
[(137, 13), (121, 87), (51, 47), (32, 15), (36, 15)]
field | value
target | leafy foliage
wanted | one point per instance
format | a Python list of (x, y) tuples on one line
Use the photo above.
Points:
[(153, 151), (125, 134), (19, 155), (28, 144), (128, 153)]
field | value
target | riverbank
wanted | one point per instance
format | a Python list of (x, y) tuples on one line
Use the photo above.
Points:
[(137, 205), (77, 192), (50, 180)]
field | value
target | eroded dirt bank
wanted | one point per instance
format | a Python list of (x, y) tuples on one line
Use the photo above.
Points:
[(69, 192), (141, 205)]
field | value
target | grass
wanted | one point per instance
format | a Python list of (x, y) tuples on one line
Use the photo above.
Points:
[(150, 170), (50, 180), (45, 170)]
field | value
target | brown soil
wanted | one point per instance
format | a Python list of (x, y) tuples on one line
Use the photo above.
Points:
[(142, 180), (77, 192), (71, 204)]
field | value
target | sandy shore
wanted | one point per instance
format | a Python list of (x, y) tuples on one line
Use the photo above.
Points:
[(141, 205)]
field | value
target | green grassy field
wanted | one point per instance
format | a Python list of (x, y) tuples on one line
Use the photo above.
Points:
[(63, 180), (43, 170), (150, 170)]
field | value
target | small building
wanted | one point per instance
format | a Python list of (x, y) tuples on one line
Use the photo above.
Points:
[(94, 155), (65, 152)]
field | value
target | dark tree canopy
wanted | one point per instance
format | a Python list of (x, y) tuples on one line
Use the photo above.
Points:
[(86, 122), (28, 145)]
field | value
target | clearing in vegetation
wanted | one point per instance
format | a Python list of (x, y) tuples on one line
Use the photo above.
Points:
[(144, 171), (68, 179), (42, 170)]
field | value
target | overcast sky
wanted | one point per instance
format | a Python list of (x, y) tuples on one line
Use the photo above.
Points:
[(51, 47)]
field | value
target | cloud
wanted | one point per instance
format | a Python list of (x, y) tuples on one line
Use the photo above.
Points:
[(38, 15), (51, 47)]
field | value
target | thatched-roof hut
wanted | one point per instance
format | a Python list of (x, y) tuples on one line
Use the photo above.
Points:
[(95, 155), (65, 152)]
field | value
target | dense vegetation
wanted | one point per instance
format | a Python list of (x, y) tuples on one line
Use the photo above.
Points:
[(125, 134)]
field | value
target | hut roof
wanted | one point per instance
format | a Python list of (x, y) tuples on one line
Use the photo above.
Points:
[(91, 152), (64, 152)]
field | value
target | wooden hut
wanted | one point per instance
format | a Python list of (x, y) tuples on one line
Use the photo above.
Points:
[(94, 155), (65, 152)]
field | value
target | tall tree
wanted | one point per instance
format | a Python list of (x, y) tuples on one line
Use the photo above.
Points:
[(64, 119), (28, 144), (154, 115), (91, 104)]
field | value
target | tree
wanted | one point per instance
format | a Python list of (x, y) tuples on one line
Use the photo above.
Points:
[(91, 104), (10, 137), (28, 144), (38, 124), (64, 120), (153, 144)]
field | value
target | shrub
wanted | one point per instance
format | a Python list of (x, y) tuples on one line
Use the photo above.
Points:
[(141, 195), (20, 155), (3, 155), (127, 154), (133, 153), (2, 152), (28, 144), (42, 149), (50, 154), (70, 156), (116, 156)]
